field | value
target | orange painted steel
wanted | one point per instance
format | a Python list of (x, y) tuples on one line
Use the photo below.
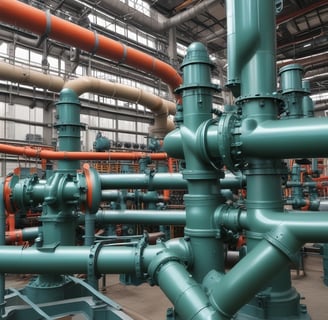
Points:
[(63, 155), (37, 21), (14, 236)]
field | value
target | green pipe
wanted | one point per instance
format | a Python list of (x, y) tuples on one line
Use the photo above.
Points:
[(30, 233), (89, 230), (166, 217), (291, 138), (150, 181), (307, 102), (161, 181), (75, 259), (305, 226), (69, 127), (202, 179), (189, 300), (292, 90), (2, 243), (233, 290), (250, 36)]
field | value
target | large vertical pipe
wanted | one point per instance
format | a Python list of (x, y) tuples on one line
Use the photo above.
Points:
[(2, 243), (203, 189), (69, 127), (251, 43)]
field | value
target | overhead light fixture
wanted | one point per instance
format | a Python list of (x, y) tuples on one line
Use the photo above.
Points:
[(307, 45)]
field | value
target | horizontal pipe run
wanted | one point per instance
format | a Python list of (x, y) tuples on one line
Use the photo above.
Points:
[(161, 181), (292, 138), (27, 76), (306, 226), (19, 235), (166, 217), (35, 20), (156, 181), (117, 90), (65, 260), (111, 259), (63, 155)]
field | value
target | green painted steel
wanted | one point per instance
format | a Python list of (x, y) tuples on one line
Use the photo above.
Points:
[(307, 102), (170, 217), (160, 181), (69, 127), (148, 181), (292, 91), (75, 259), (203, 189), (2, 243), (187, 296), (293, 138), (250, 33)]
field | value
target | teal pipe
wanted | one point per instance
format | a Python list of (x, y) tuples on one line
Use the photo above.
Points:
[(268, 139), (161, 181), (247, 277), (69, 127), (166, 217), (30, 233), (306, 226), (202, 179), (307, 102), (290, 138), (189, 299), (2, 243), (292, 90), (250, 37), (113, 259), (148, 181)]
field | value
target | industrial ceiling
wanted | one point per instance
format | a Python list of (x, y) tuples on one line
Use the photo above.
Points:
[(302, 28), (302, 32)]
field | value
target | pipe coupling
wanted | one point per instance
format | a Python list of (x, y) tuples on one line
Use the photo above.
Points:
[(284, 240), (158, 262)]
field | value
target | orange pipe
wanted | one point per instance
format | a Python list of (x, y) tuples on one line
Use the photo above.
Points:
[(37, 21), (61, 155), (14, 236)]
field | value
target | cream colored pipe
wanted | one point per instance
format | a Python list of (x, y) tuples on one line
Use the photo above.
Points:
[(27, 76), (160, 107)]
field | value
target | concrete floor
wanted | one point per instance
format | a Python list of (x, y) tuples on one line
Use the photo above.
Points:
[(149, 303)]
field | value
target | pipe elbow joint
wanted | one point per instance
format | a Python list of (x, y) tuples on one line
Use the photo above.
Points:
[(158, 262), (188, 297)]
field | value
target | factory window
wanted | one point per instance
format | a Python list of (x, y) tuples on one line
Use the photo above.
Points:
[(3, 48), (142, 39), (120, 30), (21, 54), (181, 49), (35, 57), (132, 35), (142, 127), (139, 5), (53, 64), (126, 125)]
